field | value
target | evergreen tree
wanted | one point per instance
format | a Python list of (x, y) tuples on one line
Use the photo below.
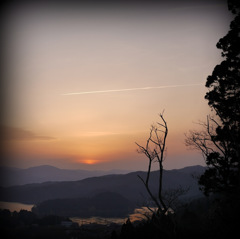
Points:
[(219, 142), (224, 98)]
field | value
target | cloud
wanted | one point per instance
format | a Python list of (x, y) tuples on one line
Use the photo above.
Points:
[(13, 133), (130, 89)]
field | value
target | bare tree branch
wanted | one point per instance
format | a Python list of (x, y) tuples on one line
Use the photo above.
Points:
[(155, 149)]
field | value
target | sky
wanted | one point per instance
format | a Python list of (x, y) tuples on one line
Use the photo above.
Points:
[(83, 83)]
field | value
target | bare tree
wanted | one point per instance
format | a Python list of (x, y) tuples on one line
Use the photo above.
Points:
[(205, 140), (165, 200), (155, 150), (217, 145)]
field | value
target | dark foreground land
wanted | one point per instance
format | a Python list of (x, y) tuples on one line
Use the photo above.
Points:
[(25, 224), (203, 218)]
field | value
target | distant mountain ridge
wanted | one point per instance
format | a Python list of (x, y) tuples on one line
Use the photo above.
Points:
[(46, 173), (127, 185)]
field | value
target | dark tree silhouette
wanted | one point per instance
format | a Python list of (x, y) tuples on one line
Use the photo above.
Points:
[(162, 219), (219, 140), (220, 137), (155, 150)]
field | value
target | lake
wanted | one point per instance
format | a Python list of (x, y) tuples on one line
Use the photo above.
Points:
[(137, 215), (15, 206)]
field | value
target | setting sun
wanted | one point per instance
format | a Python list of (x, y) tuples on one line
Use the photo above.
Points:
[(89, 161)]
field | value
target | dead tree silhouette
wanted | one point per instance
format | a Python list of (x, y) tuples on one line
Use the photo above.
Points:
[(155, 150)]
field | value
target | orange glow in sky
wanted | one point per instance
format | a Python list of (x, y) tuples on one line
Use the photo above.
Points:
[(89, 161), (84, 84)]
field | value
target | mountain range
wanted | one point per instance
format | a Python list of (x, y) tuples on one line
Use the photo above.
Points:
[(127, 185), (10, 176)]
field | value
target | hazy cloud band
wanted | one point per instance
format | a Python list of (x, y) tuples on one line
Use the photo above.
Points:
[(12, 133), (130, 89)]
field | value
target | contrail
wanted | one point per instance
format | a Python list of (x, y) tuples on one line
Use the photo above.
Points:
[(130, 89)]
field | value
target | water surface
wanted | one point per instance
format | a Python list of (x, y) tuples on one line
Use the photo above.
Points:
[(139, 214), (15, 206)]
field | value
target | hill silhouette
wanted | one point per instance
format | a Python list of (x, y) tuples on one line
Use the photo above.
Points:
[(15, 176), (107, 204), (128, 185)]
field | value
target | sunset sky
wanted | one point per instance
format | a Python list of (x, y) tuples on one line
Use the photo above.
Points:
[(126, 64)]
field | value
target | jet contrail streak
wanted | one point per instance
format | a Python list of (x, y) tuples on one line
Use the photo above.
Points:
[(130, 89)]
